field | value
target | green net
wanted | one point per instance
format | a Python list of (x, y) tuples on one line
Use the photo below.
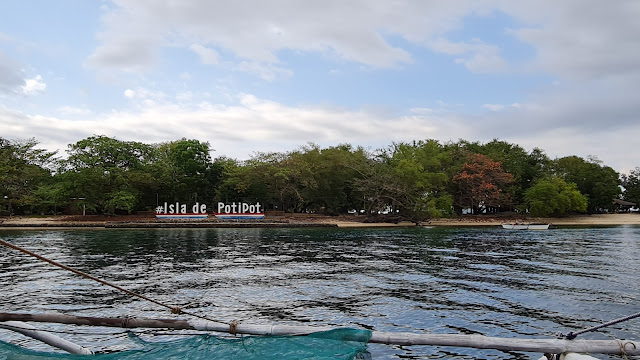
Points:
[(334, 344)]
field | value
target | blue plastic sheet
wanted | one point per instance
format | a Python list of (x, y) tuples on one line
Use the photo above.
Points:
[(334, 344)]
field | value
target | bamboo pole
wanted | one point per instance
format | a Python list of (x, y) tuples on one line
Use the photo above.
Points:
[(45, 337), (555, 346)]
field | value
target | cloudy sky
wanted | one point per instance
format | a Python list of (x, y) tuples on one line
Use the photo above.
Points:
[(271, 75)]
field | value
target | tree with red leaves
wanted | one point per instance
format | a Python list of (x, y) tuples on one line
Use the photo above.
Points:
[(482, 184)]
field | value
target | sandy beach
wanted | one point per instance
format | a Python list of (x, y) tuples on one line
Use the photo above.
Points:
[(578, 220), (339, 221)]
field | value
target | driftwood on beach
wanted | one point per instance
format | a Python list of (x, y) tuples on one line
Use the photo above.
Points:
[(556, 346)]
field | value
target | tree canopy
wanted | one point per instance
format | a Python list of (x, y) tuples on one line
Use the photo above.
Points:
[(482, 184), (631, 184), (599, 183), (553, 196), (412, 180)]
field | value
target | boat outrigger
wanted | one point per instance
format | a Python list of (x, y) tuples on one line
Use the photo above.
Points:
[(551, 346)]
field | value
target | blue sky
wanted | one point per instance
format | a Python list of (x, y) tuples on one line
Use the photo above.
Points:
[(257, 75)]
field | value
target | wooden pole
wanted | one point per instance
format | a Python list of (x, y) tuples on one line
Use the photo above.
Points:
[(555, 346)]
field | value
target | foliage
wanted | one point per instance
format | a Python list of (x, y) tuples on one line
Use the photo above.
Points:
[(328, 176), (553, 196), (481, 184), (419, 167), (525, 167), (600, 184), (184, 171), (120, 200), (413, 181), (100, 169), (23, 169), (631, 184)]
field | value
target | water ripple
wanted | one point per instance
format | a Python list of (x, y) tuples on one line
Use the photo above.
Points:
[(468, 281)]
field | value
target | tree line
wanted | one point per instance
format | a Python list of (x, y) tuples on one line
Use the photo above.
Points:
[(413, 180)]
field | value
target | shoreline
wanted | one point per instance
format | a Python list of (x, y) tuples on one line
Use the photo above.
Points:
[(302, 220)]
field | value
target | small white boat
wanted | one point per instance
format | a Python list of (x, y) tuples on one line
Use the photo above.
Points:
[(525, 226)]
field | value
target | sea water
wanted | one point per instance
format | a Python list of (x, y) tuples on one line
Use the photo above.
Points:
[(490, 281)]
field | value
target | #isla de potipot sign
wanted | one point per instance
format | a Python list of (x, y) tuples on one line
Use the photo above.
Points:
[(236, 211), (239, 211)]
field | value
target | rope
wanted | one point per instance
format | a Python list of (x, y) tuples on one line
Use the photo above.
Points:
[(572, 335), (174, 309), (623, 351), (233, 326)]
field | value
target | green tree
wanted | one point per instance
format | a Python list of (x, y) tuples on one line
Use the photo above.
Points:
[(106, 175), (227, 172), (380, 186), (326, 177), (631, 184), (600, 184), (553, 196), (525, 167), (420, 168), (266, 177), (185, 171), (23, 169)]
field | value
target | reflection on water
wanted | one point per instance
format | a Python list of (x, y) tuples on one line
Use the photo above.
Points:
[(471, 281)]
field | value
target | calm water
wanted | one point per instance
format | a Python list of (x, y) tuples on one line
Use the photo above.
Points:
[(472, 281)]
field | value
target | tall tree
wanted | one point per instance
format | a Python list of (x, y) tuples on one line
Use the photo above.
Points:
[(106, 175), (420, 167), (187, 172), (268, 178), (481, 184), (23, 169), (381, 188), (327, 177), (600, 184), (553, 196), (631, 184), (525, 167)]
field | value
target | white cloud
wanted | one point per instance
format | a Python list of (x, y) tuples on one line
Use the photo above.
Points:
[(147, 95), (586, 51), (73, 111), (207, 56), (581, 39), (493, 107), (500, 107), (255, 31), (255, 124), (34, 86), (184, 96), (600, 42), (477, 56), (266, 72)]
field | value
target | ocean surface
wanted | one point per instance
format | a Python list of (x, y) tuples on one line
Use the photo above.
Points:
[(490, 281)]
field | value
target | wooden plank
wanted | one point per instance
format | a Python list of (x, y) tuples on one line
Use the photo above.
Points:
[(555, 346)]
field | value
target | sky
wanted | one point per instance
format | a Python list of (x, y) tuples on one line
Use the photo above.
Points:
[(253, 76)]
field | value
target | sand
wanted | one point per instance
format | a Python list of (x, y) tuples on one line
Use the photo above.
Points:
[(346, 221)]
